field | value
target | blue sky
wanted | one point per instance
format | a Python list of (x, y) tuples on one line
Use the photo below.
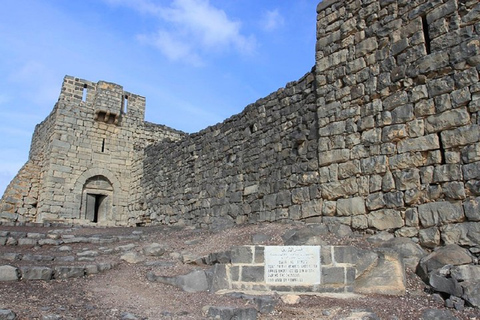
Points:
[(197, 62)]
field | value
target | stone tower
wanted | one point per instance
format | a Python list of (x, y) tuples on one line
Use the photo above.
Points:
[(85, 157)]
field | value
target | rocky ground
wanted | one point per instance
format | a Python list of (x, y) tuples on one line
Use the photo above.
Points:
[(117, 288)]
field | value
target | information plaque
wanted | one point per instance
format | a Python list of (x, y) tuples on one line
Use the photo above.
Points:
[(292, 265)]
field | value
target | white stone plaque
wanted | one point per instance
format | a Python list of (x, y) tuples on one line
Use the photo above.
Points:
[(292, 265)]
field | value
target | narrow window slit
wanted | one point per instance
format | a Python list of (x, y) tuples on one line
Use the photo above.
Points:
[(125, 104), (442, 150), (84, 93), (426, 34), (103, 145)]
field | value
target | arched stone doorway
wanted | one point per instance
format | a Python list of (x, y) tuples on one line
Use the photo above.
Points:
[(97, 199)]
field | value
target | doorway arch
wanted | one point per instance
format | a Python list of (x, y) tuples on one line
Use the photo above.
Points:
[(103, 188), (97, 199)]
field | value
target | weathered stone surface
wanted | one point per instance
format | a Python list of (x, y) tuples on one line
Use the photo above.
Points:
[(430, 237), (65, 272), (436, 213), (447, 120), (195, 281), (471, 293), (441, 281), (309, 235), (362, 259), (6, 314), (448, 255), (8, 273), (385, 219), (219, 279), (154, 249), (471, 171), (465, 234), (465, 272), (461, 136), (423, 143), (386, 277), (132, 257), (242, 254), (351, 207), (36, 273), (335, 190), (409, 251)]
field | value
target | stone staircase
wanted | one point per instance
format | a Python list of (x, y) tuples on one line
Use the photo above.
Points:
[(59, 253)]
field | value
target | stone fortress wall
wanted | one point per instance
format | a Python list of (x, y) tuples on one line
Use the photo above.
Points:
[(383, 134)]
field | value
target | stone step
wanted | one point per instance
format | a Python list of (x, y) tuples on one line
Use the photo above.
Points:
[(26, 273)]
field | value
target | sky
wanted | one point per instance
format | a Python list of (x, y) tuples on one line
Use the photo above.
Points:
[(197, 62)]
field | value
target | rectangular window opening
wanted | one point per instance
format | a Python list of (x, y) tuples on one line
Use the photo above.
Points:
[(103, 145), (426, 34), (84, 93), (125, 104)]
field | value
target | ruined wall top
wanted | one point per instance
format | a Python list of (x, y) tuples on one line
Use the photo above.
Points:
[(109, 100)]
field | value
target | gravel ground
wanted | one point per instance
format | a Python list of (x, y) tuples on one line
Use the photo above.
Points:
[(124, 292)]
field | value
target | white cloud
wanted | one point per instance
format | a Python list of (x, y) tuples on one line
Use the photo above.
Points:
[(188, 29), (272, 20), (173, 48)]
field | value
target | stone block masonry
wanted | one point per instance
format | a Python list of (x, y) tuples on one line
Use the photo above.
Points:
[(382, 134)]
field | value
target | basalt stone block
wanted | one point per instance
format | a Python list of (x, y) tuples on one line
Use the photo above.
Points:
[(351, 206), (65, 272), (454, 190), (387, 276), (435, 213), (471, 171), (471, 292), (423, 143), (362, 259), (447, 120), (36, 273), (337, 189), (410, 252), (253, 273), (195, 281), (449, 255), (375, 201), (430, 237), (385, 219), (465, 234), (8, 273), (440, 86), (6, 314), (309, 235), (465, 272), (333, 275), (407, 179), (441, 281), (242, 255), (472, 209)]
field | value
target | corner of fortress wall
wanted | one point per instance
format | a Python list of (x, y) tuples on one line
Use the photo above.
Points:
[(382, 134)]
